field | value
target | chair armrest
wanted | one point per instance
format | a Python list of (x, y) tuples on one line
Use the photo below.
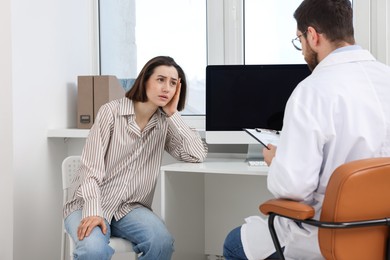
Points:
[(288, 208)]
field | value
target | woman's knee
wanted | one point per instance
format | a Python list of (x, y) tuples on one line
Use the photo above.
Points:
[(93, 248), (159, 245), (162, 239)]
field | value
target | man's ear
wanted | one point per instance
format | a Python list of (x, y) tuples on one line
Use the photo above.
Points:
[(312, 37)]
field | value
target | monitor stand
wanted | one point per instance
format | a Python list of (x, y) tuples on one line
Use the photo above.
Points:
[(255, 153)]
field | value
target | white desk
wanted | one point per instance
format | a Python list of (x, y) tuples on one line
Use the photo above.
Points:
[(201, 203)]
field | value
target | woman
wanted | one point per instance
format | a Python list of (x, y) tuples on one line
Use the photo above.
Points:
[(120, 163)]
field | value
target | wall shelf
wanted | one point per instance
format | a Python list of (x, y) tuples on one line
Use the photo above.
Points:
[(81, 133), (197, 122), (67, 133)]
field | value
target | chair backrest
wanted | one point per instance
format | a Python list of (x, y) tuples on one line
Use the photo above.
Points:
[(70, 165), (359, 190)]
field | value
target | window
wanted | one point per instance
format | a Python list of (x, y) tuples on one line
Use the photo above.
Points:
[(269, 28), (234, 32), (133, 32)]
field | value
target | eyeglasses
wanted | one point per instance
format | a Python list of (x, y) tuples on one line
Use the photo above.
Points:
[(297, 41)]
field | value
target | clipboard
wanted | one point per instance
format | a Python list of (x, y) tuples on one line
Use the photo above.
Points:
[(264, 136)]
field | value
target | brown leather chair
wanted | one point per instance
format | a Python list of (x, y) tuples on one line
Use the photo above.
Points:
[(355, 217)]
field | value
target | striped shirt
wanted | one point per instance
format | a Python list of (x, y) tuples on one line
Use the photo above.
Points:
[(120, 164)]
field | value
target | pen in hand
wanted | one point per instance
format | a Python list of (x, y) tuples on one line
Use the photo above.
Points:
[(269, 153)]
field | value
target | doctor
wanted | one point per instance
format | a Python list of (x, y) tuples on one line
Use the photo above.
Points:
[(340, 113)]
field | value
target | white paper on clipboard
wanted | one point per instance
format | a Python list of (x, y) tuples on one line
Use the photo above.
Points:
[(264, 136)]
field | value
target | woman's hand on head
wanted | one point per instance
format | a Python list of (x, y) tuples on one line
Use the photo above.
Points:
[(171, 107)]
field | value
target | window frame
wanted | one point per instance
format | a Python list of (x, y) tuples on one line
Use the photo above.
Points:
[(225, 36)]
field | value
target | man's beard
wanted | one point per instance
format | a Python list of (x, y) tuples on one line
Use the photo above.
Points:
[(311, 58)]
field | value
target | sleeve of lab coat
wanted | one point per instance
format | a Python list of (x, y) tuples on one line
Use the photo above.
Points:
[(295, 170)]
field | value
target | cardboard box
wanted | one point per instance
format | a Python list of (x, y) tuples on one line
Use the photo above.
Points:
[(84, 102), (93, 92), (105, 89)]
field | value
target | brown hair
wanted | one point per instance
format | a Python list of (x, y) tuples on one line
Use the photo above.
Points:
[(138, 90), (333, 18)]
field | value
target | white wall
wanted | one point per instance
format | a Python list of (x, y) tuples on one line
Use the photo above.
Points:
[(6, 147), (51, 45), (372, 27), (380, 29)]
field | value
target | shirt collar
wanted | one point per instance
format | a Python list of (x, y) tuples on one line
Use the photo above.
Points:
[(353, 53), (347, 48), (126, 107)]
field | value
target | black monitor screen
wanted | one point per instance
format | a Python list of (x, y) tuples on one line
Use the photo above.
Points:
[(249, 96)]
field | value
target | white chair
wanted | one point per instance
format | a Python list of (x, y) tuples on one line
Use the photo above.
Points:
[(70, 166)]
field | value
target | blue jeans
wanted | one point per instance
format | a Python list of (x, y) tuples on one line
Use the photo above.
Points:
[(233, 249), (145, 230)]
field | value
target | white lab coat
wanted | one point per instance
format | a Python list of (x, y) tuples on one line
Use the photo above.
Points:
[(340, 113)]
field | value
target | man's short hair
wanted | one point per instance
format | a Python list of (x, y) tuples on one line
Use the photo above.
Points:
[(333, 18)]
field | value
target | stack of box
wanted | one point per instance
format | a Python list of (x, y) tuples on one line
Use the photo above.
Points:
[(93, 92)]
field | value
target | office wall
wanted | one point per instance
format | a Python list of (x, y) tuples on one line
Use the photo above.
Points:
[(372, 27), (51, 45), (6, 149), (380, 29)]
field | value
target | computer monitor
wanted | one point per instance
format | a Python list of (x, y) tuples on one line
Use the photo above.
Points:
[(247, 96)]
